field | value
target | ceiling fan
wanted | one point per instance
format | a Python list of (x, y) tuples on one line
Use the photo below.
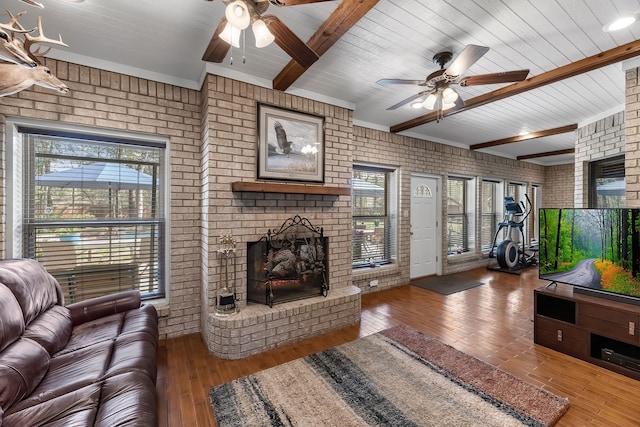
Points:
[(438, 95), (239, 14)]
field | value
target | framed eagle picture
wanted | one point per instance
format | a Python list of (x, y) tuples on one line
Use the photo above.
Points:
[(290, 145)]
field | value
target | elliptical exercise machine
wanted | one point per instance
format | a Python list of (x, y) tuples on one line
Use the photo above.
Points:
[(511, 256)]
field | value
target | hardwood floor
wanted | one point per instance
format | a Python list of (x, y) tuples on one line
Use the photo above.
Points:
[(493, 322)]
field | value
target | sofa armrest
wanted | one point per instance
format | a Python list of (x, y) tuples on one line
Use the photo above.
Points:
[(95, 308)]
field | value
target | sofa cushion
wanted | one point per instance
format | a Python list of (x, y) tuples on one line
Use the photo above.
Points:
[(76, 408), (51, 329), (71, 371), (22, 366), (11, 319), (34, 288), (133, 352), (144, 319), (95, 331), (128, 399)]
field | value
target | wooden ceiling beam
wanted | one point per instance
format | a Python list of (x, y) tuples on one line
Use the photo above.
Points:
[(337, 24), (608, 57), (530, 135), (547, 154)]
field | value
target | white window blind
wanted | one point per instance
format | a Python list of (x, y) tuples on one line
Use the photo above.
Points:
[(457, 215), (373, 234), (491, 199), (91, 212)]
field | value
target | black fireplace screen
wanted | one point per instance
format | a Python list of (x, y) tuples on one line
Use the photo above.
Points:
[(289, 263)]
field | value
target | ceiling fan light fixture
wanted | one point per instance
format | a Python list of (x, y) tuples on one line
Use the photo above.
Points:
[(262, 34), (448, 105), (430, 102), (237, 14), (449, 96), (620, 23), (231, 35)]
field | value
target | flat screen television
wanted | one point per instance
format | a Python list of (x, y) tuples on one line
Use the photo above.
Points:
[(595, 250)]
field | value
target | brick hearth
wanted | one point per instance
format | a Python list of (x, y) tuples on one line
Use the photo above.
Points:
[(257, 328)]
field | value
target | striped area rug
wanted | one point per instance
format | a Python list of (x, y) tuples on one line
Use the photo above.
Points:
[(397, 377)]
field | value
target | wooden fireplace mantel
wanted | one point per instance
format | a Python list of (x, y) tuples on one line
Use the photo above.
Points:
[(283, 187)]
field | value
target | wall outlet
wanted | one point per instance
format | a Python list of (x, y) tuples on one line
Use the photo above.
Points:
[(373, 283)]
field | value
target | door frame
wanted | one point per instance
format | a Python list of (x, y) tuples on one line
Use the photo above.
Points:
[(438, 196)]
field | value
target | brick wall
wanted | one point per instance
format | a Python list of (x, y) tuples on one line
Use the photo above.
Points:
[(632, 135), (560, 181), (596, 141), (114, 101)]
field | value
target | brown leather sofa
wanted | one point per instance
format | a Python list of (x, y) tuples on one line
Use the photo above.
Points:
[(92, 363)]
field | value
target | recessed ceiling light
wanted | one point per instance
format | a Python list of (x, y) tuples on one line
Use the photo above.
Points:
[(416, 105), (523, 133), (620, 23)]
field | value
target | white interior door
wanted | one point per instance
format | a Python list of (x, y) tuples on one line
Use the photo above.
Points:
[(425, 218)]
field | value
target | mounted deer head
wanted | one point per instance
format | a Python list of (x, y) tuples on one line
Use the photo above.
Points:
[(11, 47), (24, 74), (14, 78)]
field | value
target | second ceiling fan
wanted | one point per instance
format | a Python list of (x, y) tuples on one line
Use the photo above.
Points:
[(239, 14), (438, 95)]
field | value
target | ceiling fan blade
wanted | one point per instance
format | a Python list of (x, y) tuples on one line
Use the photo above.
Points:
[(400, 82), (487, 79), (218, 48), (289, 42), (466, 59), (295, 2), (408, 100)]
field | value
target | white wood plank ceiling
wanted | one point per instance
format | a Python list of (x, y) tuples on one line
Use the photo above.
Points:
[(164, 40)]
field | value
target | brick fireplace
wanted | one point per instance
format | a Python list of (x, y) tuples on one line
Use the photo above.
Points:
[(235, 202), (287, 296)]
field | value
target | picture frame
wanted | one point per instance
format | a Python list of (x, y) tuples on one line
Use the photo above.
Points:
[(290, 145)]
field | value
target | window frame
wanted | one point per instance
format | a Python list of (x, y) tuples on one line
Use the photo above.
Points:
[(390, 217), (497, 211), (594, 168), (468, 215), (14, 185)]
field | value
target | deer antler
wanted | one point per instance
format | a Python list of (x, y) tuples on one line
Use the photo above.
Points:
[(41, 38), (11, 25), (11, 45)]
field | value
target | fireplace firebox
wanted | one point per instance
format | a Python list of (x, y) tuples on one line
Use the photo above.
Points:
[(288, 264)]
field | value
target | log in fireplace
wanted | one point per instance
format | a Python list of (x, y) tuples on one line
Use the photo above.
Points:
[(287, 264)]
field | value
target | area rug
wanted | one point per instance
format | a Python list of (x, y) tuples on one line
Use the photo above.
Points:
[(446, 285), (397, 377)]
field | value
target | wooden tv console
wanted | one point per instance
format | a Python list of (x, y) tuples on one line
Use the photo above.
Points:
[(598, 330)]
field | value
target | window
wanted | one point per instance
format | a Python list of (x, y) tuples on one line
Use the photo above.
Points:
[(374, 215), (606, 183), (460, 210), (491, 207), (90, 208)]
